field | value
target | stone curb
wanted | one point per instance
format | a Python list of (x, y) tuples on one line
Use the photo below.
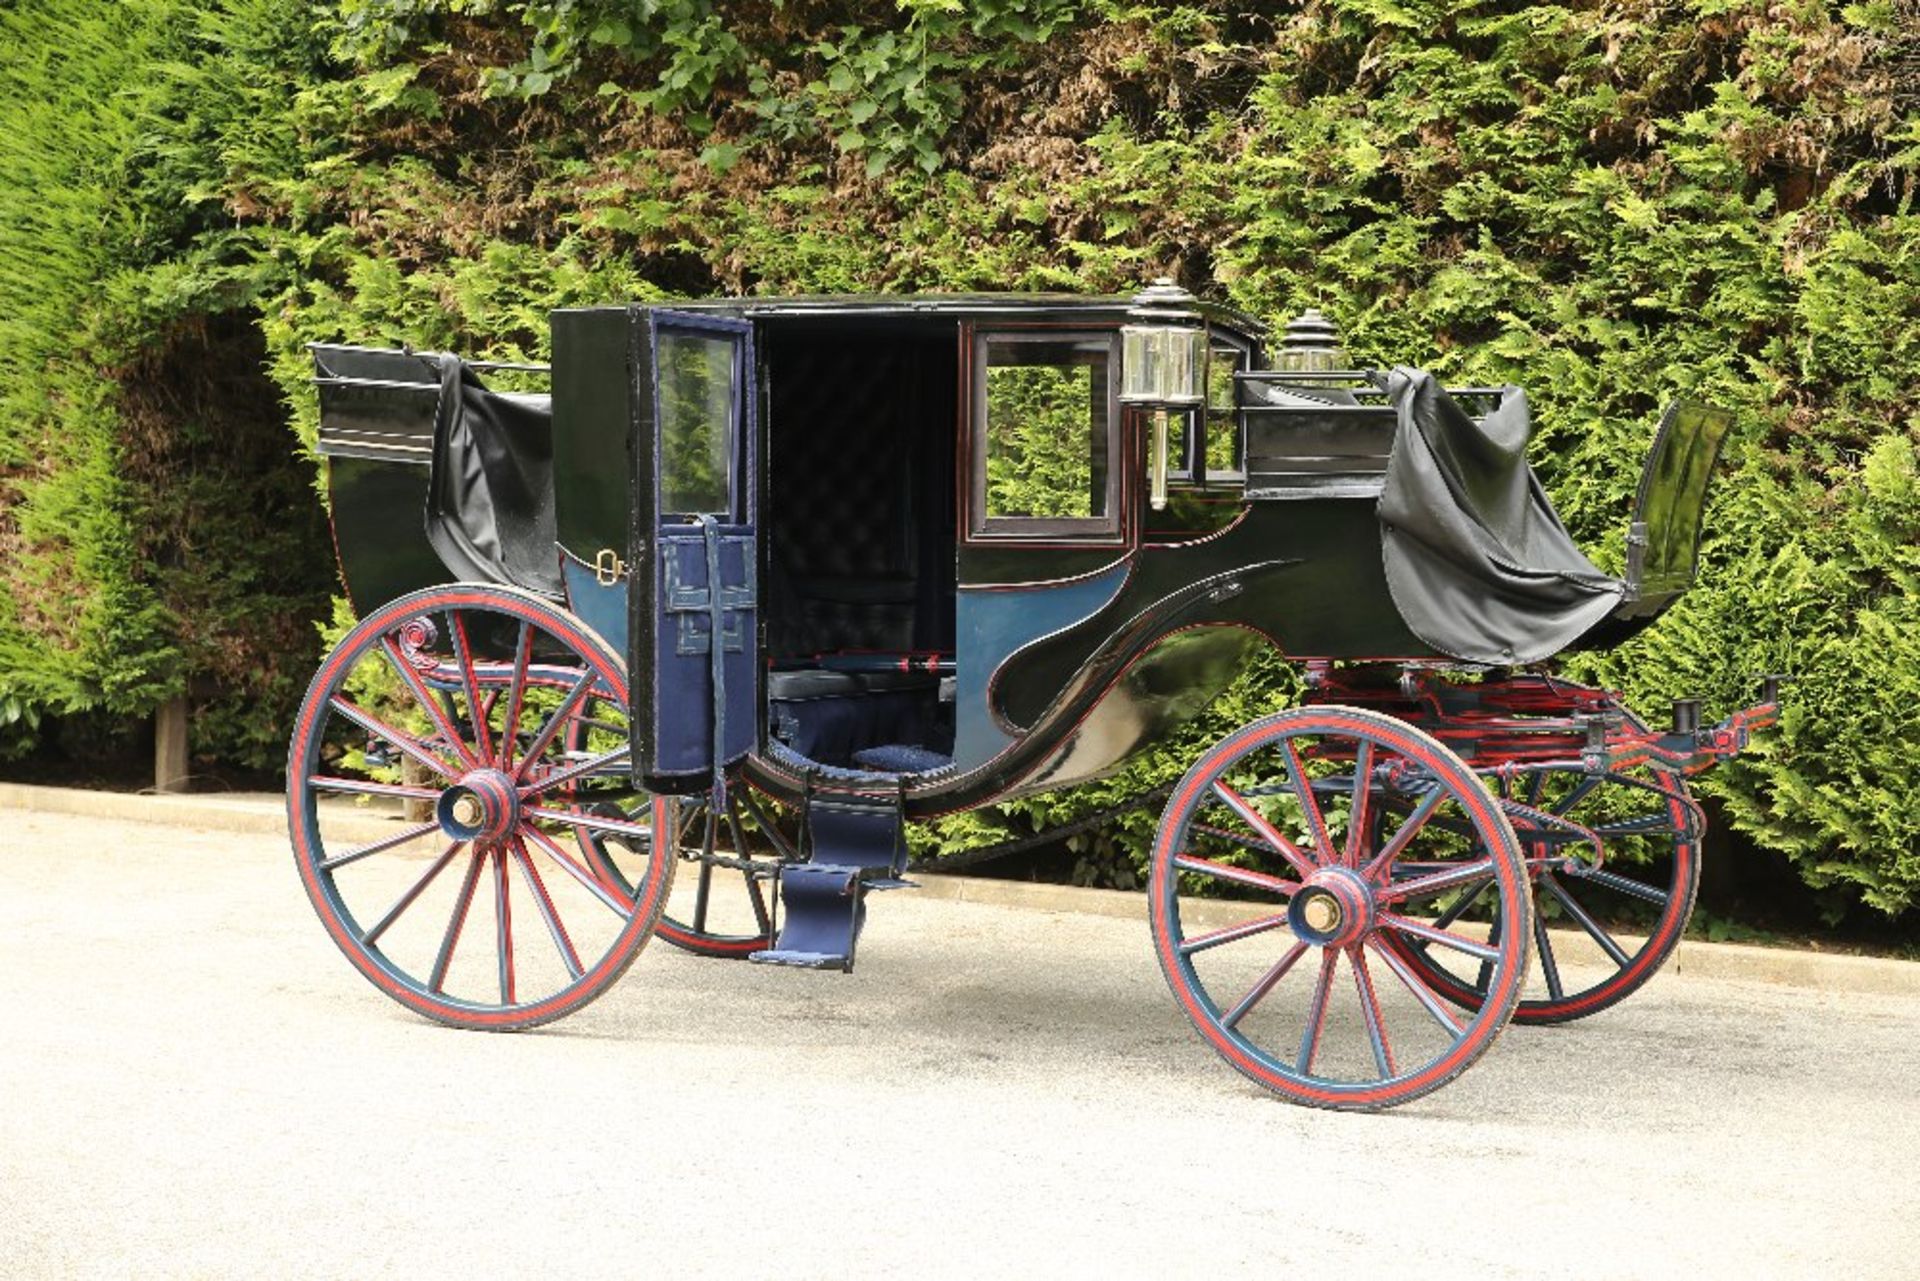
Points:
[(265, 816)]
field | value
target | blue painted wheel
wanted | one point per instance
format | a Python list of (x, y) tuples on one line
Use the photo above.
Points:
[(1278, 905), (478, 913)]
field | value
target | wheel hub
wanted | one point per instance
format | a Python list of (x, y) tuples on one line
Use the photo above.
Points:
[(483, 806), (1334, 908)]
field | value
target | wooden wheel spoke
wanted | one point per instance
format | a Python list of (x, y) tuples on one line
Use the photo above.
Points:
[(1238, 875), (1359, 802), (568, 706), (1445, 938), (1232, 933), (1549, 965), (503, 923), (1434, 882), (621, 827), (1421, 992), (1614, 951), (1263, 829), (363, 787), (424, 697), (380, 846), (457, 922), (516, 694), (476, 710), (587, 879), (543, 903), (407, 744), (1309, 803), (1423, 811), (1317, 1010), (583, 769), (1460, 906), (1484, 979), (1370, 1011), (768, 828), (370, 936), (1266, 983)]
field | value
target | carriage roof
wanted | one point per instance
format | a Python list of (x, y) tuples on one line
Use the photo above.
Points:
[(999, 305)]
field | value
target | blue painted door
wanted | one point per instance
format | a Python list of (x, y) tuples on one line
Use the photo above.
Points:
[(696, 662)]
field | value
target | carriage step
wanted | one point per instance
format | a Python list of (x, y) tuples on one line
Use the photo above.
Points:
[(854, 845)]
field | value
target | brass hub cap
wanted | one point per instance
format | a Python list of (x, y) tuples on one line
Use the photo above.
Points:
[(483, 806), (1334, 908), (1322, 913)]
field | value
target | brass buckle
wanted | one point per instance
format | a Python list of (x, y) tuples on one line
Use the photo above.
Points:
[(608, 568)]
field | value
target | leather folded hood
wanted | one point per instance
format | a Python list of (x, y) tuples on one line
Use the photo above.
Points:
[(1478, 563)]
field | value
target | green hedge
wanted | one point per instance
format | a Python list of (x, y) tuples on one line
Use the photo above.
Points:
[(1612, 204), (159, 535)]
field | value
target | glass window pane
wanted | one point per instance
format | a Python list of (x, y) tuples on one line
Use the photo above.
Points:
[(1046, 430), (1223, 425), (1222, 364), (695, 381)]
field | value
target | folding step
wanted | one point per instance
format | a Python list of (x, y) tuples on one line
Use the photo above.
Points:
[(854, 844)]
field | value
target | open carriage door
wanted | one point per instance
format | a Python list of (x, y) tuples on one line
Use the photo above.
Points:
[(695, 660)]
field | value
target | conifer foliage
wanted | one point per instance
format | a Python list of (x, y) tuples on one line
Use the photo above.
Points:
[(1611, 203)]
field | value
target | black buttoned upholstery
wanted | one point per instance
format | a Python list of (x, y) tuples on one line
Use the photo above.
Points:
[(859, 477), (859, 528)]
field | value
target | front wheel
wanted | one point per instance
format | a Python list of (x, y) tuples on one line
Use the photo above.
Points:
[(475, 909), (1281, 909)]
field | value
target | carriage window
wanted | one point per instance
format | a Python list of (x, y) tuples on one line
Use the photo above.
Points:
[(695, 387), (1044, 426), (1220, 427)]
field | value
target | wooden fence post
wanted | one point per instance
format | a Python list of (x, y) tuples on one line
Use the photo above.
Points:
[(170, 746)]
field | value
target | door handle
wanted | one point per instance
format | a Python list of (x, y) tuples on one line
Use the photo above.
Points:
[(608, 568)]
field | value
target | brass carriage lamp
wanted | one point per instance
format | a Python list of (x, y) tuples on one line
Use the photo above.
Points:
[(1310, 345), (1163, 365)]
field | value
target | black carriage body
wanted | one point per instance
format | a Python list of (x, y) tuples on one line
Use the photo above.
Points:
[(1063, 644), (897, 614)]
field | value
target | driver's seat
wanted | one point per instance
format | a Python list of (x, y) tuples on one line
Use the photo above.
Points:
[(1663, 543)]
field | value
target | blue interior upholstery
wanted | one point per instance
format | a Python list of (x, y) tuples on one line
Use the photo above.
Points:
[(860, 536)]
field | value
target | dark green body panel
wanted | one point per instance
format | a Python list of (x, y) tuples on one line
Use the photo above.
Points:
[(379, 529), (593, 412)]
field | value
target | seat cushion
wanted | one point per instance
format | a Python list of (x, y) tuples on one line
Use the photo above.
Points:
[(901, 758)]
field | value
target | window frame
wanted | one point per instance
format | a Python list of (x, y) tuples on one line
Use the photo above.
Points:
[(982, 527), (738, 444), (1204, 416)]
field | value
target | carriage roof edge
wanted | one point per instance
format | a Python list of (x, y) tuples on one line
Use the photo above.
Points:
[(868, 306)]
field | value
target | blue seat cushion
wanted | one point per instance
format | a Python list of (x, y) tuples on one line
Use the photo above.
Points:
[(901, 758)]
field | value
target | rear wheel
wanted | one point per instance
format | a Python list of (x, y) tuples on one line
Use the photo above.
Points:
[(1614, 862), (722, 908), (1280, 915), (472, 907)]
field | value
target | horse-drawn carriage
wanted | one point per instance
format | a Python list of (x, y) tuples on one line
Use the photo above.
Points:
[(748, 585)]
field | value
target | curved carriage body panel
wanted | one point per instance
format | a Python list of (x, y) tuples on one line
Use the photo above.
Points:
[(955, 580)]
